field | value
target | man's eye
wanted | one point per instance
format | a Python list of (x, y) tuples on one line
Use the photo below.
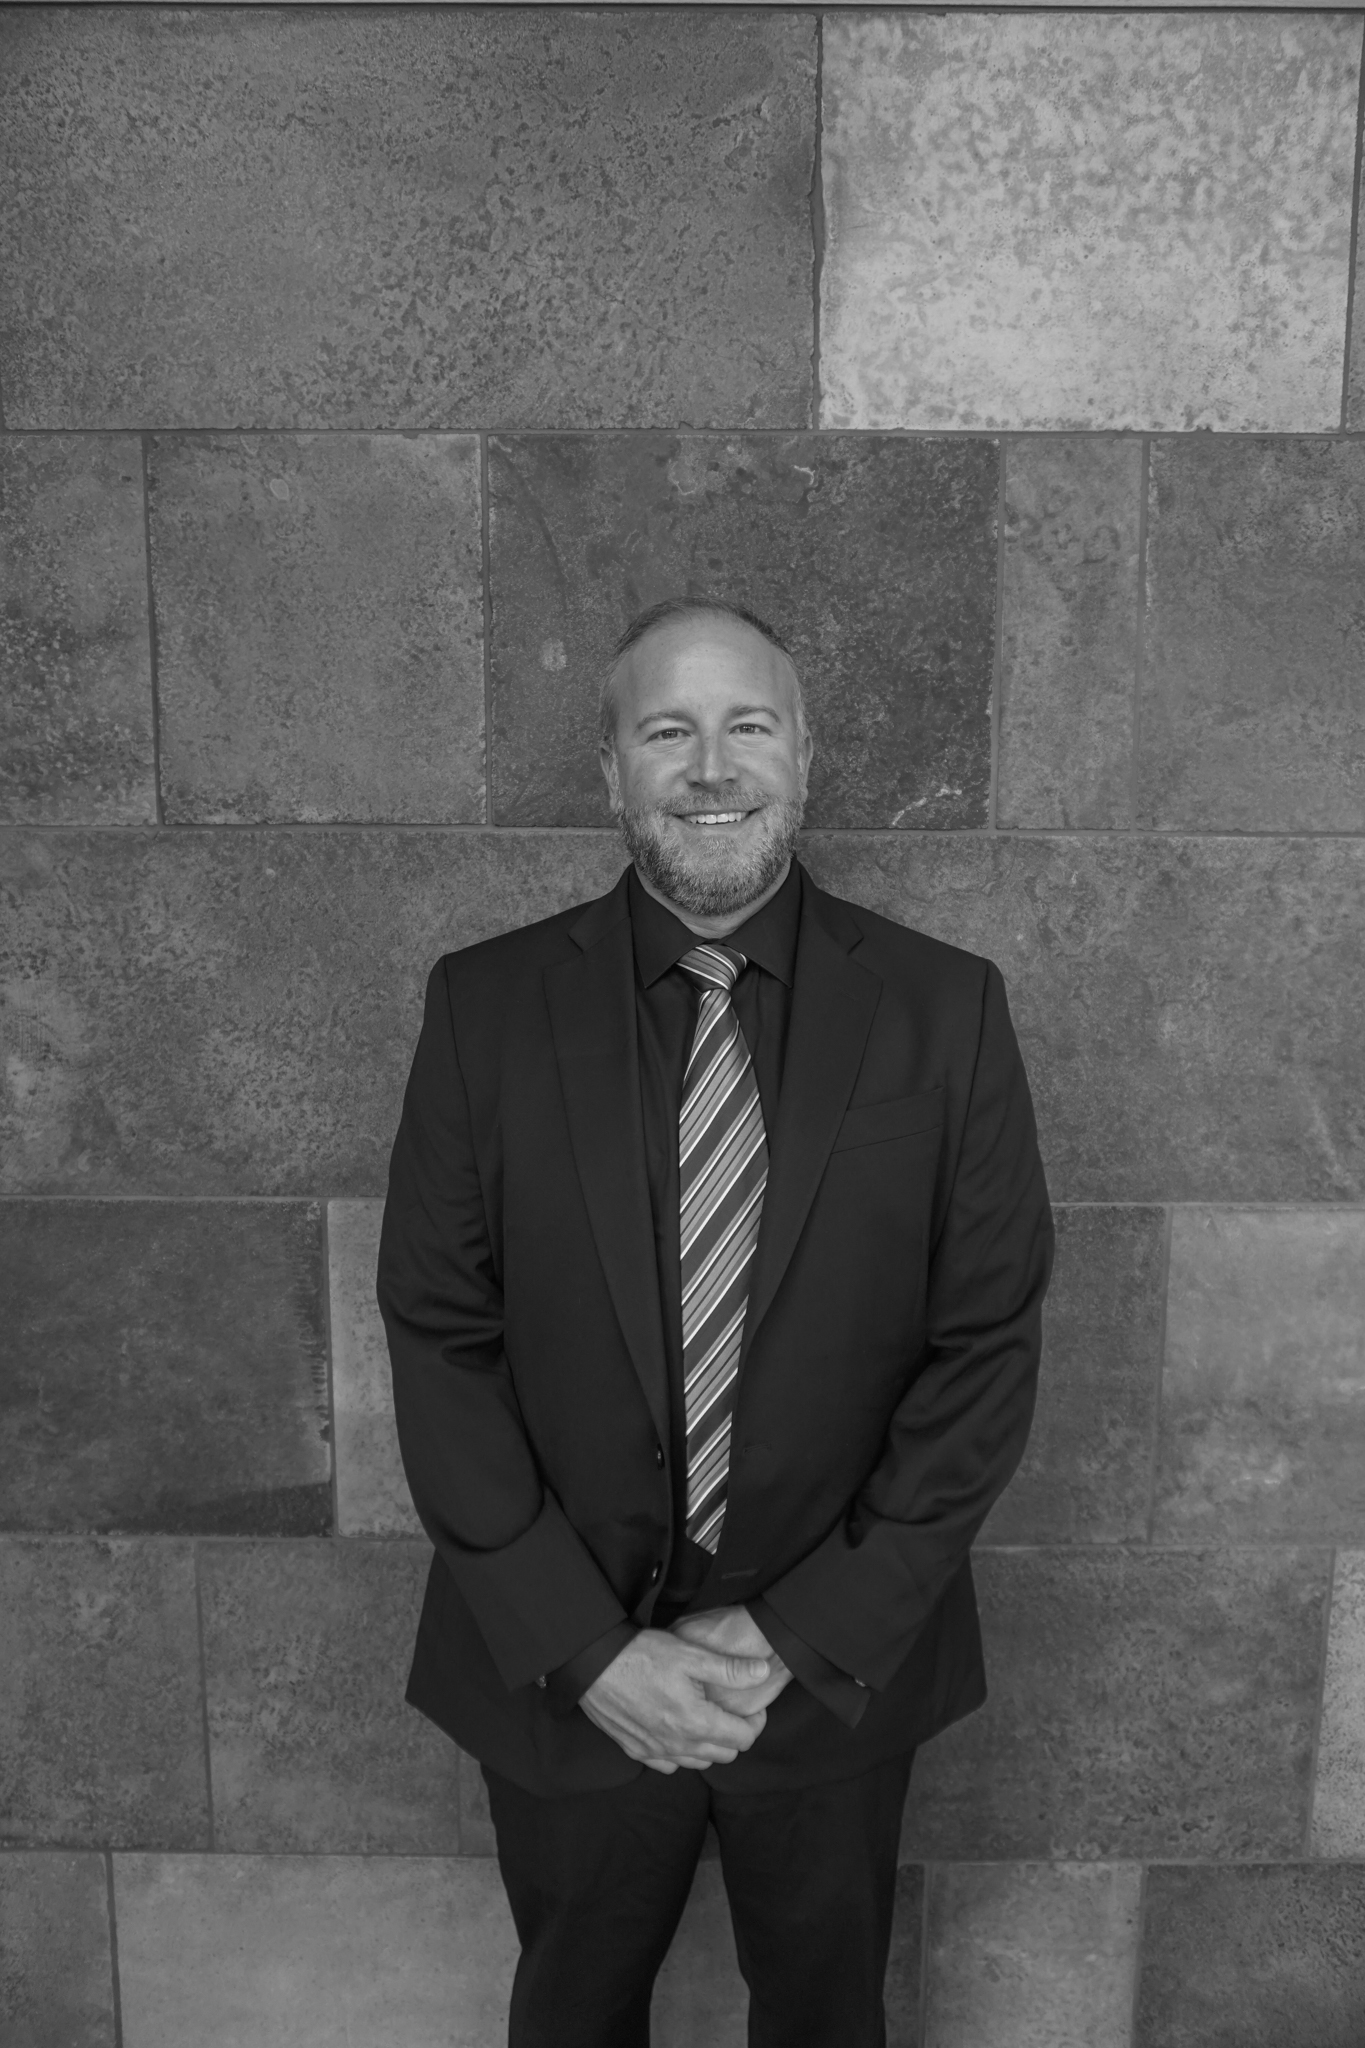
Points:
[(668, 732), (752, 728)]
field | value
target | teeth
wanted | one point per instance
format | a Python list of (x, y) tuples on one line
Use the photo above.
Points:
[(717, 817)]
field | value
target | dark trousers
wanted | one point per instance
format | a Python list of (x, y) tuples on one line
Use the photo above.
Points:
[(597, 1883)]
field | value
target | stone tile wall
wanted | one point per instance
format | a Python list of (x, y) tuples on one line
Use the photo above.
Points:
[(360, 374)]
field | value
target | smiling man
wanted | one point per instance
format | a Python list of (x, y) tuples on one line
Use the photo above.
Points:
[(712, 1270)]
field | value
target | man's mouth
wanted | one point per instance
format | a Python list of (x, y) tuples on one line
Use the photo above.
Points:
[(712, 817)]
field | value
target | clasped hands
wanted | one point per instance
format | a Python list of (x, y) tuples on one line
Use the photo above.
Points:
[(690, 1696)]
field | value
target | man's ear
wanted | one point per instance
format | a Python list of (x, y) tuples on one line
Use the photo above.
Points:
[(606, 754)]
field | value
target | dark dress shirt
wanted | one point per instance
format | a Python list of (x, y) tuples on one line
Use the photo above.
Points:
[(666, 1004)]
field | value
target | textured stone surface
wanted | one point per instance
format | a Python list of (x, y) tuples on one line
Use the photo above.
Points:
[(1339, 1782), (306, 1653), (1255, 1958), (1188, 1009), (1141, 1704), (875, 560), (1263, 1385), (1032, 1955), (222, 1011), (700, 1999), (76, 711), (1252, 715), (319, 611), (101, 1735), (310, 1951), (1068, 674), (372, 1494), (1058, 222), (56, 1976), (905, 1965), (432, 219), (1087, 1469), (166, 1367), (219, 1012)]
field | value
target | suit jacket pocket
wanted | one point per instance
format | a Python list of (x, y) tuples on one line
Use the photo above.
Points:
[(873, 1123)]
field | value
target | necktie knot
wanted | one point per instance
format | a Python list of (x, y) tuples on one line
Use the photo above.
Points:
[(713, 966)]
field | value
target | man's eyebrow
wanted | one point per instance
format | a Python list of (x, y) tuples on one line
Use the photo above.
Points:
[(685, 717)]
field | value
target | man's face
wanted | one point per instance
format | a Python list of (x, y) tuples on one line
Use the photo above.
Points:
[(708, 773)]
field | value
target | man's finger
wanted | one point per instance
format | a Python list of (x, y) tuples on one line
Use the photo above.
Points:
[(713, 1668)]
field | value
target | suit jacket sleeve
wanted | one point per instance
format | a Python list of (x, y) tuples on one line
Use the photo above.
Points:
[(534, 1589), (863, 1594)]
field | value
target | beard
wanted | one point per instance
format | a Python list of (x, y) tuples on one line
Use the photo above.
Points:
[(712, 877)]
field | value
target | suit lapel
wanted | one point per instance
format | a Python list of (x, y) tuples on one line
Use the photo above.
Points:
[(592, 1017), (833, 1001)]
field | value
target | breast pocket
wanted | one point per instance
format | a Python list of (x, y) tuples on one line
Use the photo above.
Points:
[(876, 1123)]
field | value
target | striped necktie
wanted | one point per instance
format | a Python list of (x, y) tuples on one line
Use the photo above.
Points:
[(722, 1172)]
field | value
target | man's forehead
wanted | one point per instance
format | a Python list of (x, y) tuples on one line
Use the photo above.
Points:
[(704, 644)]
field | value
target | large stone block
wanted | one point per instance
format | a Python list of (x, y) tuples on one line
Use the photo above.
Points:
[(1264, 1957), (213, 1012), (1032, 1955), (56, 1973), (101, 1718), (76, 740), (874, 559), (1141, 1704), (1339, 1781), (309, 1951), (319, 614), (372, 1493), (306, 1651), (167, 1368), (1057, 221), (1188, 1008), (1087, 1469), (431, 218), (1252, 715), (1263, 1384), (1069, 667)]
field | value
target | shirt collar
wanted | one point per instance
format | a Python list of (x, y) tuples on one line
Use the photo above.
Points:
[(768, 938)]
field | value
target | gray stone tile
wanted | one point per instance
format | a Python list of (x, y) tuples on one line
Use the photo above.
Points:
[(1252, 716), (1087, 1470), (1032, 1955), (219, 1012), (1263, 1383), (1069, 671), (56, 1973), (700, 1999), (1266, 1957), (319, 611), (101, 1719), (306, 1652), (166, 1368), (874, 559), (372, 1493), (309, 1951), (1054, 221), (1187, 1008), (1339, 1781), (433, 219), (76, 714), (905, 1965), (1141, 1704)]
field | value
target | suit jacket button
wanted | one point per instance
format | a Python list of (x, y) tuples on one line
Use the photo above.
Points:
[(655, 1575), (659, 1456)]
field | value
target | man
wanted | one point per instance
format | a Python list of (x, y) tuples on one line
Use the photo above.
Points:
[(712, 1269)]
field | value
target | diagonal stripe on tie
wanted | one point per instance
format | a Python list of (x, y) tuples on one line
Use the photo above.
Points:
[(722, 1175)]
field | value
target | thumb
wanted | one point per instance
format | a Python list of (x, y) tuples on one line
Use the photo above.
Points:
[(713, 1668)]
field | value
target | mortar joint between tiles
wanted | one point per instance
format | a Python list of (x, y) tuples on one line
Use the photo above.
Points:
[(116, 1988), (1320, 1703), (204, 1694), (1353, 251), (817, 219), (1168, 1219), (997, 704), (1139, 1933), (324, 1207), (1140, 630), (923, 2014), (486, 570)]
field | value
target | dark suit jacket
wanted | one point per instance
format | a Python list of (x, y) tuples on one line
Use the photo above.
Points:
[(890, 1347)]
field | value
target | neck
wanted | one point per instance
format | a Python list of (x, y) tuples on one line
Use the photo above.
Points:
[(713, 927)]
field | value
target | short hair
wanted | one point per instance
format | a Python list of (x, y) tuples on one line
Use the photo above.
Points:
[(661, 614)]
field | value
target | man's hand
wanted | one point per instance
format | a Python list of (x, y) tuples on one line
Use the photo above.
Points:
[(655, 1700), (733, 1632)]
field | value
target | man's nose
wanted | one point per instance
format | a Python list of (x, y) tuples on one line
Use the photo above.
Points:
[(710, 762)]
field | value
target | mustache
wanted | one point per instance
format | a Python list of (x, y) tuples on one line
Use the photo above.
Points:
[(740, 799)]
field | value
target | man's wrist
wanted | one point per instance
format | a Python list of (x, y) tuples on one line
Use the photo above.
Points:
[(566, 1686)]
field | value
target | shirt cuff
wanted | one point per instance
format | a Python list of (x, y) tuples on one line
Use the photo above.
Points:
[(567, 1684), (844, 1696)]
